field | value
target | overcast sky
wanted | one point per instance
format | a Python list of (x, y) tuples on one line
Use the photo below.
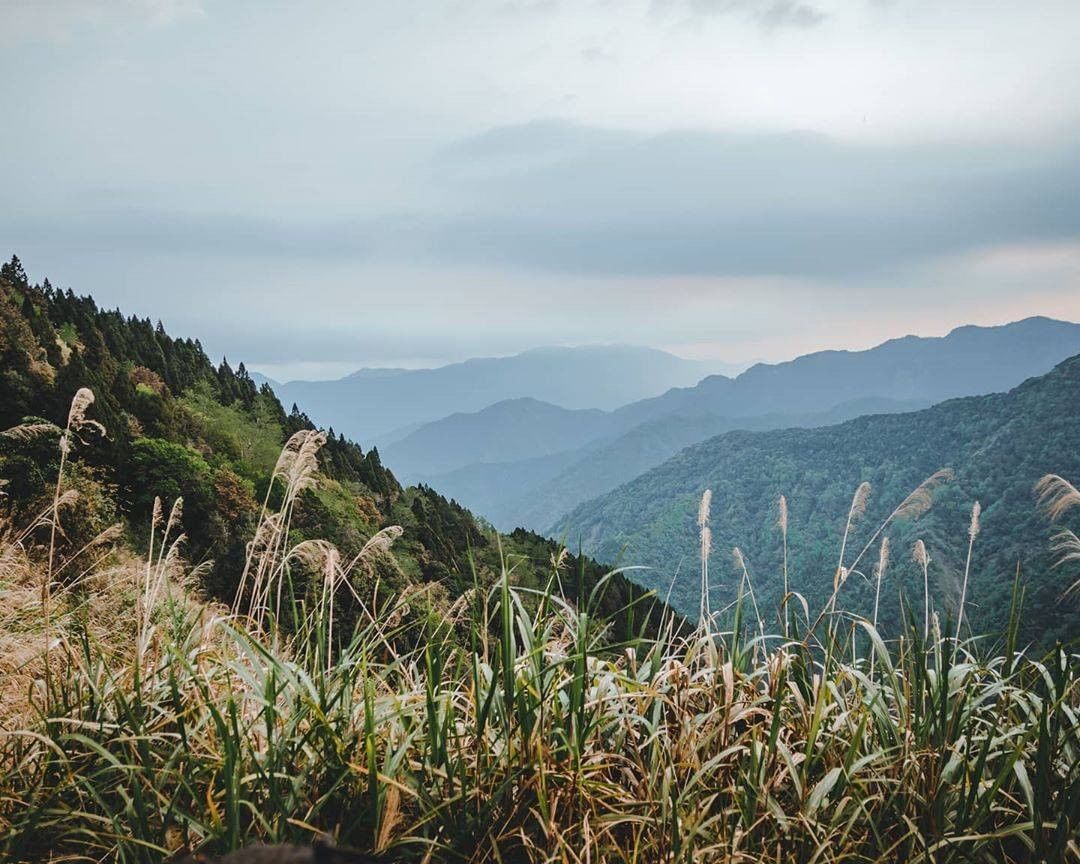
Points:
[(314, 187)]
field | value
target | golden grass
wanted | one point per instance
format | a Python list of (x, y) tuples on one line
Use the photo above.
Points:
[(515, 730)]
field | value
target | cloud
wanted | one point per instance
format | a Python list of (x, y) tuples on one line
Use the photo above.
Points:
[(573, 200), (768, 14), (564, 198), (61, 20)]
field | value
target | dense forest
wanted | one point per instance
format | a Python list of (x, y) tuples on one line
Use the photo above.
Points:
[(173, 424), (996, 446)]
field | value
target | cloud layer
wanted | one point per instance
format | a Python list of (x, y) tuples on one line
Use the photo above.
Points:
[(443, 180)]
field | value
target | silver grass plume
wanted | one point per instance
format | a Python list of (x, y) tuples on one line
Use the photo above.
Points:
[(859, 501), (782, 524), (1057, 495), (922, 558), (1066, 545), (378, 545), (973, 532), (858, 507), (882, 565), (919, 501), (29, 431), (705, 532), (879, 572)]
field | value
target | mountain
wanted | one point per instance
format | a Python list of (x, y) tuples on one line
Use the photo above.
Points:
[(376, 402), (816, 389), (607, 464), (998, 445), (506, 431), (967, 361), (536, 491), (174, 425)]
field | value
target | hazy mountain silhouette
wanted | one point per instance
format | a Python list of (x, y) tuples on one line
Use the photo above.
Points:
[(812, 390), (377, 402)]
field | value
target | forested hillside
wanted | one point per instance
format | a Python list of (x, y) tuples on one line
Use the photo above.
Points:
[(997, 446), (537, 492), (175, 425)]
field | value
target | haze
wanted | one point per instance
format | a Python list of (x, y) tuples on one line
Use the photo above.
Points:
[(399, 183)]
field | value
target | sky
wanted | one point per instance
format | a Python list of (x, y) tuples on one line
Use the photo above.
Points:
[(317, 187)]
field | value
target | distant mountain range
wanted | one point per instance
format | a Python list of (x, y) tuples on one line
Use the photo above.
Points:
[(381, 405), (998, 445), (519, 463)]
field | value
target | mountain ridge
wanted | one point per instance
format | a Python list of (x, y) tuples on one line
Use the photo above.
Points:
[(810, 390), (369, 403), (998, 445)]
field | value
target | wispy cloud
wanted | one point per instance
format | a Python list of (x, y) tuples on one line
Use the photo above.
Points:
[(564, 199), (768, 14), (61, 20)]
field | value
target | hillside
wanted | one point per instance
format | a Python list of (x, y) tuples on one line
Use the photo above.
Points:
[(998, 446), (377, 402), (504, 432), (174, 425), (816, 389), (549, 486)]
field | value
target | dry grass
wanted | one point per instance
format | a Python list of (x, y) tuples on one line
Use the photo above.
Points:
[(516, 730)]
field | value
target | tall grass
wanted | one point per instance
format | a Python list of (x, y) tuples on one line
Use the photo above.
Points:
[(518, 730)]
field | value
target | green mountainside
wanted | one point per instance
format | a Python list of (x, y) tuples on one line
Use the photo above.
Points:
[(176, 425), (998, 446)]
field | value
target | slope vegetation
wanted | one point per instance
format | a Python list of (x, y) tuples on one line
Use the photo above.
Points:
[(167, 424), (998, 447)]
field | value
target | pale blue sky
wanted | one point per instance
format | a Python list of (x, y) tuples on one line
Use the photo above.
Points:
[(315, 187)]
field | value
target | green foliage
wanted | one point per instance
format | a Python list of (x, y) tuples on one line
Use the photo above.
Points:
[(250, 436), (178, 426), (999, 446), (163, 469)]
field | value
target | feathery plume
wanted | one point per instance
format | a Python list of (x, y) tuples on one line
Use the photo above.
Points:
[(175, 515), (922, 558), (703, 508), (858, 506), (882, 564), (782, 523), (973, 532), (558, 561), (379, 544), (1066, 545), (81, 401), (80, 404), (705, 533), (29, 431), (883, 557), (920, 500), (920, 554), (859, 501), (1057, 495)]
